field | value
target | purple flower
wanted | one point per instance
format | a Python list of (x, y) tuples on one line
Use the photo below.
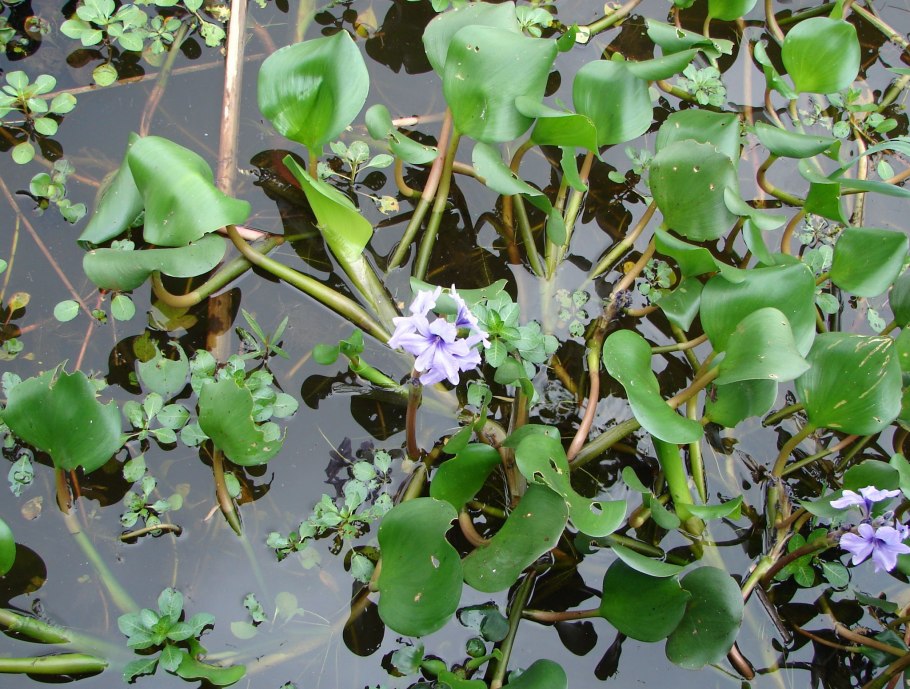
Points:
[(865, 498), (884, 544), (466, 319), (441, 354)]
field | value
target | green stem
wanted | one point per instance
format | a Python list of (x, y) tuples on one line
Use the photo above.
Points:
[(229, 272), (571, 215), (61, 664), (518, 603), (755, 576), (761, 178), (608, 261), (788, 448), (118, 594), (415, 393), (439, 206), (696, 461), (33, 628), (551, 616), (782, 414), (674, 469), (610, 19), (339, 303), (527, 237)]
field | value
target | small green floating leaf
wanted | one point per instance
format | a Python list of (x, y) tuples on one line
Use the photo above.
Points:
[(66, 310), (861, 403), (7, 548), (58, 413), (532, 529), (688, 180), (867, 260), (787, 144), (762, 347), (627, 357), (226, 416), (822, 55), (644, 607), (167, 377), (122, 308), (115, 269), (542, 459), (459, 479), (420, 582), (541, 674), (486, 70), (712, 619), (311, 91), (191, 668)]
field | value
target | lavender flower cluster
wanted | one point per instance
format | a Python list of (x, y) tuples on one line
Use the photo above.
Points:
[(873, 537), (443, 348)]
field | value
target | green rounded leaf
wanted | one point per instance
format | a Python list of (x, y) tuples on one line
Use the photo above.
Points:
[(106, 74), (558, 127), (122, 308), (662, 67), (7, 548), (614, 99), (867, 260), (644, 564), (861, 403), (23, 153), (762, 347), (532, 529), (311, 91), (688, 180), (486, 69), (439, 32), (459, 479), (787, 144), (164, 376), (787, 288), (713, 616), (541, 674), (498, 176), (627, 357), (542, 459), (720, 129), (899, 299), (226, 416), (66, 310), (58, 413), (117, 206), (126, 270), (822, 55), (729, 10), (644, 607), (729, 404), (420, 581), (177, 186)]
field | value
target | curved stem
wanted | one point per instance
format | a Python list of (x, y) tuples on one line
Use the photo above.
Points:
[(225, 501), (518, 602), (132, 535), (787, 237), (761, 178), (469, 531), (593, 359), (788, 448), (326, 295), (610, 19), (680, 346), (608, 261), (773, 26)]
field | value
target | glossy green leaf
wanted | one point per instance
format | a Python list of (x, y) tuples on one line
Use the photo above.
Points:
[(899, 299), (498, 176), (450, 680), (345, 230), (720, 129), (459, 479), (541, 674), (761, 219), (688, 180), (178, 192), (681, 305), (772, 76), (662, 67), (762, 347), (226, 416), (486, 69), (117, 206), (694, 260), (7, 548), (727, 405), (824, 199), (420, 581), (627, 357), (788, 288), (439, 32), (532, 529), (867, 260), (558, 127), (672, 39), (865, 401), (645, 565), (644, 607), (614, 99), (379, 124), (126, 270), (167, 377), (542, 459), (58, 413), (822, 55), (713, 616), (787, 144), (729, 10), (730, 508), (192, 668), (516, 437), (311, 91)]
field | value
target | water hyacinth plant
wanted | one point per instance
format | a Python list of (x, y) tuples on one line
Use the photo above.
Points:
[(661, 389)]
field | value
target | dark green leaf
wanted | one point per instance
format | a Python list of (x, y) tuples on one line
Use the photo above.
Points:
[(420, 582), (7, 548), (644, 607), (165, 376), (542, 674), (867, 260), (439, 33), (787, 144), (822, 55), (662, 67), (225, 415), (498, 176), (614, 99), (118, 205), (729, 10), (720, 129), (727, 405), (459, 479), (646, 565), (762, 347)]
